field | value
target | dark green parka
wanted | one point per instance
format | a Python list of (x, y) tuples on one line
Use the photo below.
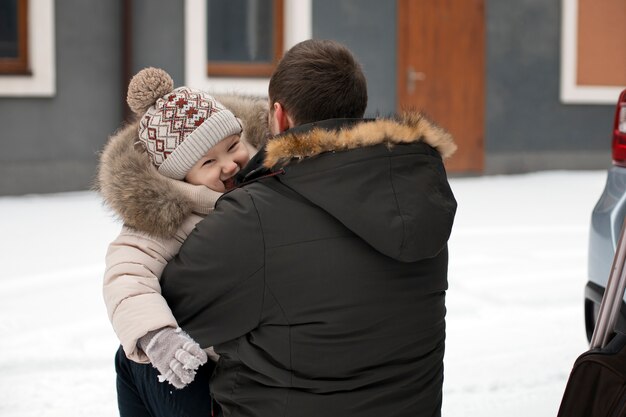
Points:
[(321, 281)]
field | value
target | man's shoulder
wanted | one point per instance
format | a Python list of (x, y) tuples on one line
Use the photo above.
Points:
[(248, 192), (246, 207), (236, 209)]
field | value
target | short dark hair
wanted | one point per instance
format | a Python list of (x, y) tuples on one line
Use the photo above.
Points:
[(317, 80)]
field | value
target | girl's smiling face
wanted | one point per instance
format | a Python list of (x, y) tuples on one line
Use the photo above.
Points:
[(219, 166)]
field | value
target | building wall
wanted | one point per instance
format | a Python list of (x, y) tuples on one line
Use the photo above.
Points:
[(162, 48), (368, 28), (527, 127), (50, 144)]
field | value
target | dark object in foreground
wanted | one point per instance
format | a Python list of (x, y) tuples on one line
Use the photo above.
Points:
[(597, 383)]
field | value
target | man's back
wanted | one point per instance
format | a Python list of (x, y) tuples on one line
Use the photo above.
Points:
[(337, 305)]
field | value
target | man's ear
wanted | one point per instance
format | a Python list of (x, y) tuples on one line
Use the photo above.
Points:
[(281, 120)]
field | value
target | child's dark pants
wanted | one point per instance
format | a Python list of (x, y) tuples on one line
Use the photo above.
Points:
[(140, 394)]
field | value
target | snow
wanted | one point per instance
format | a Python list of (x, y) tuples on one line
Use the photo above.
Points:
[(518, 259)]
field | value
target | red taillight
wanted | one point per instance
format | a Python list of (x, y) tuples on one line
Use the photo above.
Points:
[(619, 132)]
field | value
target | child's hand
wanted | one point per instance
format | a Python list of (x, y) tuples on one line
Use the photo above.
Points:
[(174, 353)]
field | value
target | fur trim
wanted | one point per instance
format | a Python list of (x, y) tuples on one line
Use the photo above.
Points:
[(253, 113), (146, 200), (132, 187), (407, 128)]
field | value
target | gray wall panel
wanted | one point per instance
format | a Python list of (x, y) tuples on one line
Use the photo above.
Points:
[(158, 37), (368, 28), (53, 141), (524, 112)]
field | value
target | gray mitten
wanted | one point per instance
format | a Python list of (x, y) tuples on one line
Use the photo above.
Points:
[(174, 354)]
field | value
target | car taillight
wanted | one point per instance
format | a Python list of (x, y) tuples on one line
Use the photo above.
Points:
[(619, 132)]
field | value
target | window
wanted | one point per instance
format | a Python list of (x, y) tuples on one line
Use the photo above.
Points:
[(295, 27), (244, 37), (13, 37), (38, 77)]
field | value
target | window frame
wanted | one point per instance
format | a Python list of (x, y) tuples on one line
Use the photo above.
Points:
[(570, 91), (297, 26), (240, 69), (20, 64), (41, 82)]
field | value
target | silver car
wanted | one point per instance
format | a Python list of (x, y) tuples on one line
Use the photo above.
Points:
[(606, 223)]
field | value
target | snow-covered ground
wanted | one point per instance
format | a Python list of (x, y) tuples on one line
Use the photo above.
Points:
[(518, 258)]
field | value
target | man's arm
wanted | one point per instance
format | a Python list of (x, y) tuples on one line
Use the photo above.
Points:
[(216, 283)]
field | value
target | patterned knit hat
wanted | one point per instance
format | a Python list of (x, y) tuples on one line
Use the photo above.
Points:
[(177, 126)]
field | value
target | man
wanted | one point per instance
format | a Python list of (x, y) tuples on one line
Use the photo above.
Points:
[(321, 280)]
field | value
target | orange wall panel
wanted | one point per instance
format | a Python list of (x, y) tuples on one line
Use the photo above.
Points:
[(601, 54)]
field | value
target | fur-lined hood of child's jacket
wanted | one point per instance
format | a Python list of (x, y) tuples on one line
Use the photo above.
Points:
[(150, 202)]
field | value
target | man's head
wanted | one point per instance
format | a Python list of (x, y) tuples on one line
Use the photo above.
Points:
[(316, 80)]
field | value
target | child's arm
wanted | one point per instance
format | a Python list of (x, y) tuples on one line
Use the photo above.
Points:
[(132, 292)]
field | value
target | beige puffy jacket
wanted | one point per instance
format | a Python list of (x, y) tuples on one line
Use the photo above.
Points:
[(134, 263), (158, 215)]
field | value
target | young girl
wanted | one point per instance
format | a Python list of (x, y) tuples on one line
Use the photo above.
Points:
[(161, 175)]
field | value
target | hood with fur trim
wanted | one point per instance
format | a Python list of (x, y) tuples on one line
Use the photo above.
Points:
[(407, 128), (390, 189), (148, 201)]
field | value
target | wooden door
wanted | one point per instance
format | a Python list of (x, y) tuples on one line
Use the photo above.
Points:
[(441, 71)]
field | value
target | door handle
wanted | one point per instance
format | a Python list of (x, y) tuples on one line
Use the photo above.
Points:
[(412, 77)]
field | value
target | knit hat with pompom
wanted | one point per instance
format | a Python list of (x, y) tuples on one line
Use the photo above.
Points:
[(177, 126)]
